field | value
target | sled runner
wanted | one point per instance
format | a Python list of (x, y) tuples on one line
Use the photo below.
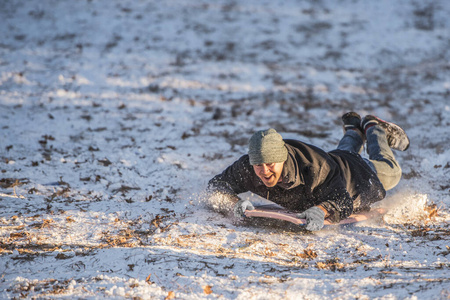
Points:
[(276, 212)]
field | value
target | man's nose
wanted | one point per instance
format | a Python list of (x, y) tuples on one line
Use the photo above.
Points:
[(265, 168)]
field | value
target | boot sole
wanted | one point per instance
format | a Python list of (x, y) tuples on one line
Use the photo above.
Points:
[(396, 136)]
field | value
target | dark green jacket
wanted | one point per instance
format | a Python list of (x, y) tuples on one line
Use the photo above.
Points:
[(337, 180)]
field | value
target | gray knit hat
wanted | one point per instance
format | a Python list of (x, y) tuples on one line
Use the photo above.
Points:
[(266, 147)]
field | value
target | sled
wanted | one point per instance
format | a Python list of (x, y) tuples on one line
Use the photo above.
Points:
[(279, 213)]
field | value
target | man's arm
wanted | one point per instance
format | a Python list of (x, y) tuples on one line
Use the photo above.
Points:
[(338, 207), (234, 180), (327, 214), (223, 189), (316, 215)]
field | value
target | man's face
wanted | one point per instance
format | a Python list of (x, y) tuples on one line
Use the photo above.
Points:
[(269, 173)]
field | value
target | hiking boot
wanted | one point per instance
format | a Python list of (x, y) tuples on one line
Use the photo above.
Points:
[(396, 136), (352, 121)]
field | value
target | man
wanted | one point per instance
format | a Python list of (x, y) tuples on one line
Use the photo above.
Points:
[(318, 184)]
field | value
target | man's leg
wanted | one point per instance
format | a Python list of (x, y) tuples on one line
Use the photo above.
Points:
[(382, 158), (351, 141)]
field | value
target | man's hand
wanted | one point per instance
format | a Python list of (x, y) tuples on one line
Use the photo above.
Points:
[(314, 218), (241, 206)]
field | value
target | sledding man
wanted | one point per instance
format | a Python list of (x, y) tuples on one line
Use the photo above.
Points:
[(315, 183)]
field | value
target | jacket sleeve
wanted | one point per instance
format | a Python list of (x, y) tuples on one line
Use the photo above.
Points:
[(339, 205), (328, 188), (234, 180)]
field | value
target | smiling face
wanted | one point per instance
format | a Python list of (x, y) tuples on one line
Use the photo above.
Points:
[(269, 173)]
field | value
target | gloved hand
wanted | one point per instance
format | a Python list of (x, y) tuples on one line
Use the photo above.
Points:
[(314, 218), (241, 206)]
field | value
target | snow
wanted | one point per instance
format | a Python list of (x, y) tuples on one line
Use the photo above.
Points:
[(115, 114)]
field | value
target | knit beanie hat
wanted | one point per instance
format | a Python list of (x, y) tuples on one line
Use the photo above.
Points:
[(266, 147)]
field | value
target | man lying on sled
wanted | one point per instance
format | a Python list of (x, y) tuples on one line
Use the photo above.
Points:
[(317, 184)]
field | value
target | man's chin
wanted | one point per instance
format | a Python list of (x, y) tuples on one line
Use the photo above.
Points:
[(270, 183)]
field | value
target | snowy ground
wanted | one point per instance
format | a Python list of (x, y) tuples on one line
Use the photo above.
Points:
[(115, 114)]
